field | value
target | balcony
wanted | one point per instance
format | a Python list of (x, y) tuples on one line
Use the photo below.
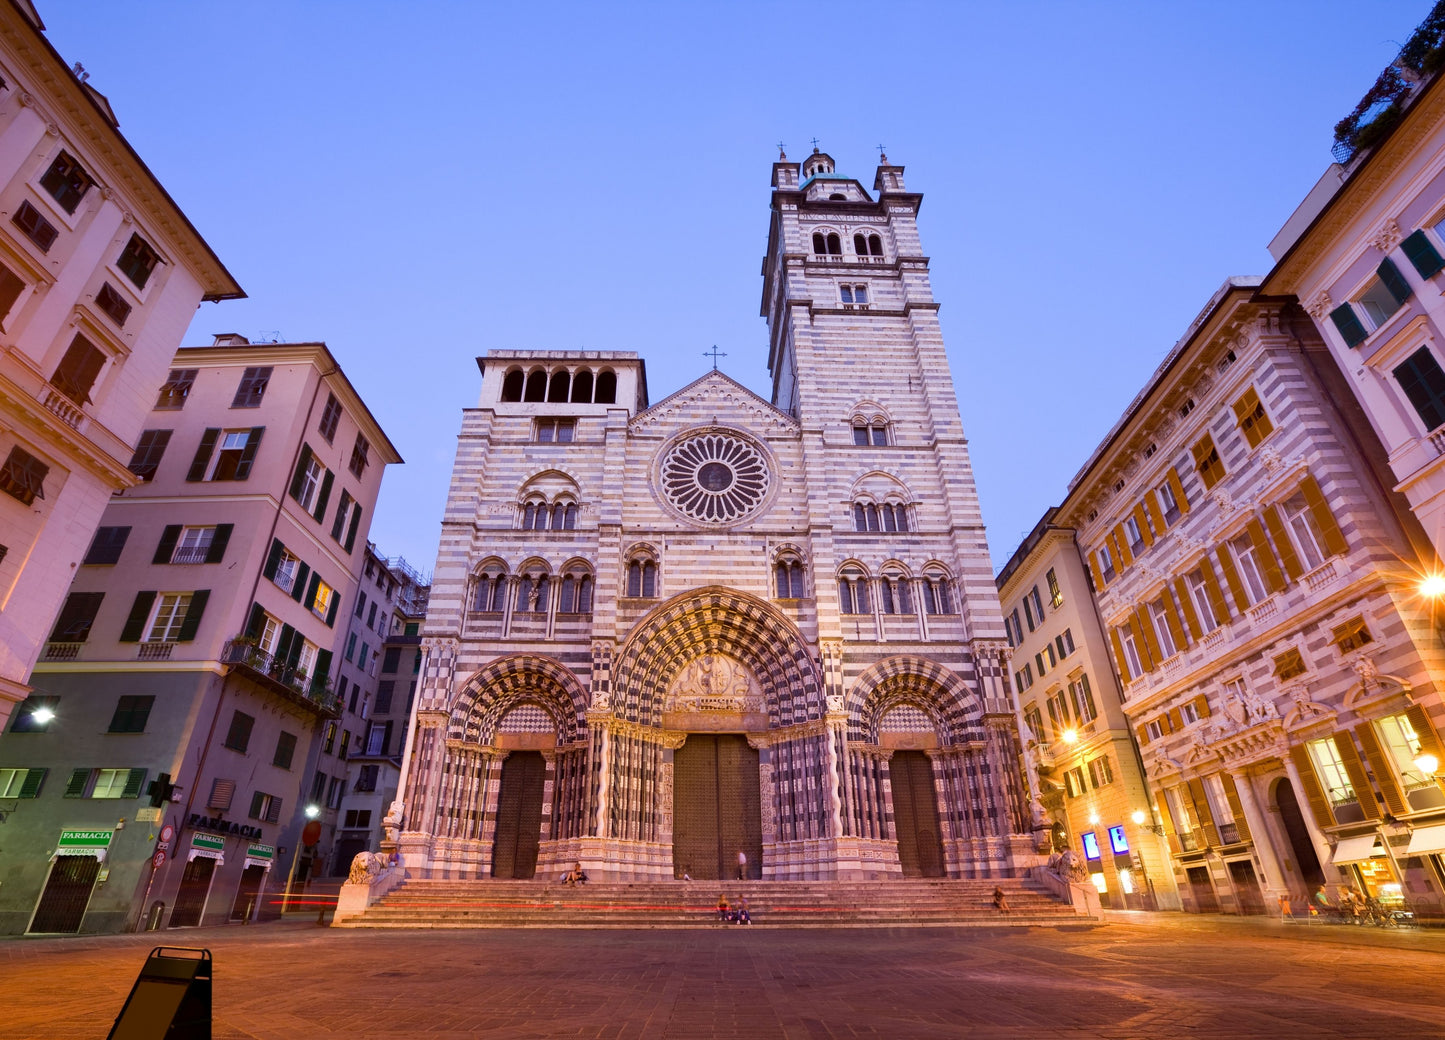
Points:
[(191, 554), (1322, 576), (62, 651), (154, 651), (315, 693), (1264, 610), (62, 407)]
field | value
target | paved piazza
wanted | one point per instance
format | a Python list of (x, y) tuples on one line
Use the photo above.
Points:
[(1167, 977)]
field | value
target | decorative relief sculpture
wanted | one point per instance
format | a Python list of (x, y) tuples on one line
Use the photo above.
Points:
[(714, 682), (1387, 236), (1320, 306)]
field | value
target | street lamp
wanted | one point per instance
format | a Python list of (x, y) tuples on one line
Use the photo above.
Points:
[(1427, 764), (312, 811), (1070, 736), (1432, 586), (43, 716)]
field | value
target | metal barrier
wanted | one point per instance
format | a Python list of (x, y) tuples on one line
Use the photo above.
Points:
[(171, 997)]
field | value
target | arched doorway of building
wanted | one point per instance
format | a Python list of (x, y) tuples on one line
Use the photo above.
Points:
[(915, 814), (1299, 836), (519, 815), (716, 806)]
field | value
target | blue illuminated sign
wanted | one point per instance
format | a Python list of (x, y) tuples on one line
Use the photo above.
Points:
[(1091, 845), (1117, 841)]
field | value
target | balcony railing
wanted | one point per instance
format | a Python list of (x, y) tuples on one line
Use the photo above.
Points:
[(317, 689), (62, 651), (191, 554), (154, 651), (61, 407), (1264, 610), (1323, 575)]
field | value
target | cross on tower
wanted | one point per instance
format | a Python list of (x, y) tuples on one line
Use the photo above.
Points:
[(815, 144), (882, 153), (782, 155), (714, 353)]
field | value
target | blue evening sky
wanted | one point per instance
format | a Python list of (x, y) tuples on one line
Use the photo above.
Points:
[(417, 183)]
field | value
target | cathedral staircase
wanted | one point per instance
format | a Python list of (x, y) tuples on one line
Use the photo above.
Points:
[(914, 903)]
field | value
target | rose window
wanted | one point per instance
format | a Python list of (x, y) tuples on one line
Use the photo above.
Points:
[(715, 478)]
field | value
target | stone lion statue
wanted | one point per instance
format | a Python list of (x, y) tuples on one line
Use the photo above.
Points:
[(366, 867)]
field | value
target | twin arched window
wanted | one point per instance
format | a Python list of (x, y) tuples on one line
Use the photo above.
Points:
[(642, 578), (560, 385), (874, 432), (576, 597), (894, 594), (853, 592), (490, 595), (937, 596), (827, 244), (788, 577), (872, 245), (890, 517), (532, 591), (540, 515)]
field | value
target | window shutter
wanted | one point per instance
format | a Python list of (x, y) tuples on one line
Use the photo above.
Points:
[(298, 584), (355, 523), (30, 786), (1162, 807), (1394, 280), (1178, 488), (273, 813), (256, 624), (273, 559), (133, 783), (1191, 616), (167, 545), (1236, 806), (192, 620), (1349, 325), (1330, 532), (1382, 768), (293, 656), (1201, 810), (1287, 555), (1231, 577), (323, 666), (1142, 519), (222, 791), (283, 644), (331, 610), (1425, 730), (324, 496), (298, 479), (1313, 792), (248, 453), (1421, 253), (1121, 542), (203, 455), (1214, 592), (1358, 778), (310, 599), (219, 541), (76, 617), (135, 624), (1119, 658), (1094, 569), (339, 523), (75, 786), (1156, 515), (1171, 618), (1201, 706), (1143, 627), (1272, 575), (1143, 734)]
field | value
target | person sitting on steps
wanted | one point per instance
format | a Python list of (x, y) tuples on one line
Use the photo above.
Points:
[(1000, 901), (723, 910)]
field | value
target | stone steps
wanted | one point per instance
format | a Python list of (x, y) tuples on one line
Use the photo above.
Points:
[(679, 904)]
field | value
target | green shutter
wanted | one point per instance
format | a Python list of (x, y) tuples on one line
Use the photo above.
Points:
[(203, 455), (167, 547), (355, 523), (1349, 325), (219, 541), (133, 783), (299, 477), (75, 786), (256, 624), (248, 453), (273, 559), (310, 600), (1422, 254), (324, 496), (1394, 280), (30, 786), (192, 620), (323, 668), (136, 622), (283, 644), (339, 524), (298, 585), (331, 611), (1423, 381)]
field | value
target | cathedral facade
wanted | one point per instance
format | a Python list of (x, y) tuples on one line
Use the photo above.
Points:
[(719, 633)]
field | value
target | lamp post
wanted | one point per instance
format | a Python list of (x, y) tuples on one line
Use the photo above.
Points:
[(312, 811)]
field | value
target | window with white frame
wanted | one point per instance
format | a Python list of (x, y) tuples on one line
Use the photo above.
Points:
[(1132, 532), (854, 296), (110, 783), (1168, 504), (1189, 712), (853, 592), (1106, 563), (167, 616), (1154, 729), (1301, 524), (1101, 772), (1159, 613), (234, 454), (1131, 652), (1247, 558), (554, 431), (287, 566), (321, 601), (193, 545), (312, 474), (1083, 699), (1199, 593), (1398, 737), (1325, 756), (306, 660), (1181, 810)]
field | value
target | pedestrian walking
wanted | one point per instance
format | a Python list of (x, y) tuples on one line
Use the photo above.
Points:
[(742, 865)]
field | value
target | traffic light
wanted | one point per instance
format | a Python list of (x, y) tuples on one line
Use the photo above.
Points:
[(160, 789)]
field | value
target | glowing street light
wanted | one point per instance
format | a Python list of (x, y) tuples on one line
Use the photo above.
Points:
[(43, 716), (1093, 819), (1138, 817), (1070, 736), (1432, 586), (1427, 764)]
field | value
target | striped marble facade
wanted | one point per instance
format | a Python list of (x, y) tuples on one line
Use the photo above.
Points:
[(685, 626)]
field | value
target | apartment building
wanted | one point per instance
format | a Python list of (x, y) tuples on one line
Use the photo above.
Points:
[(197, 645), (1078, 753), (100, 273), (1255, 578)]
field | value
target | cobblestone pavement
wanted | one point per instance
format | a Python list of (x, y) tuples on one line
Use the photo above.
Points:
[(1136, 976)]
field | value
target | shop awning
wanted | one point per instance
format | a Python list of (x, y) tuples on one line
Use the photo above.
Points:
[(1426, 840), (98, 853), (1356, 850)]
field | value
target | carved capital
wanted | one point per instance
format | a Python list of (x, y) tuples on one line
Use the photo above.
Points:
[(1320, 306), (1387, 236)]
